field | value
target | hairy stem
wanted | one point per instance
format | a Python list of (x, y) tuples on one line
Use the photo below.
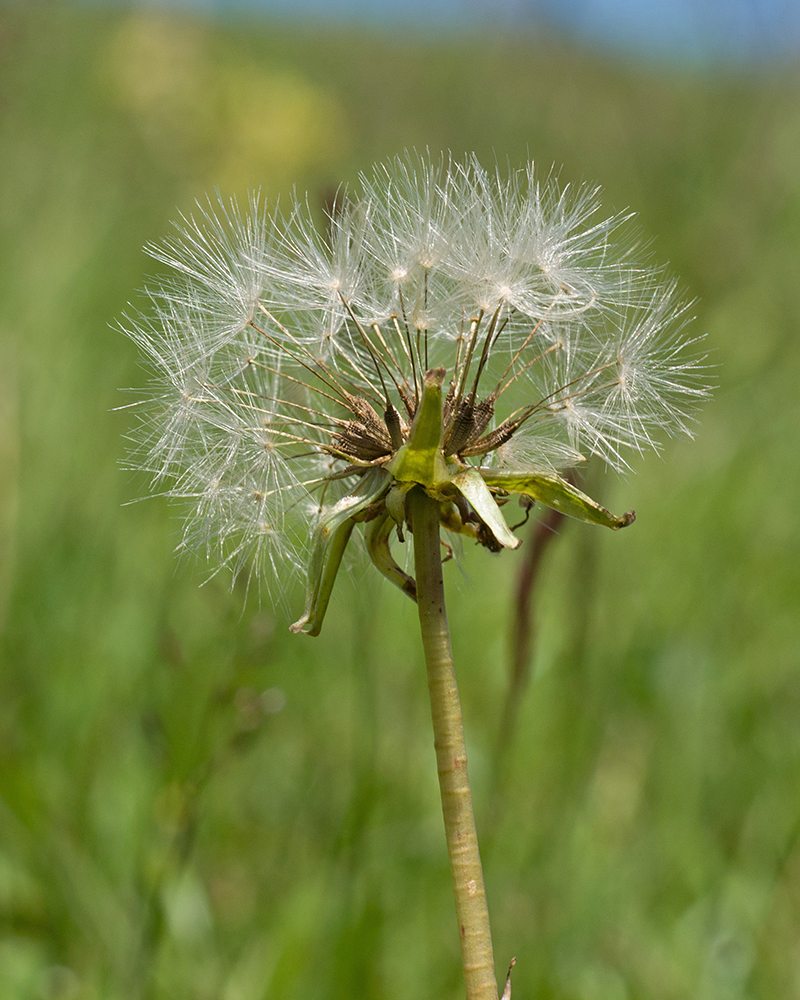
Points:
[(451, 755)]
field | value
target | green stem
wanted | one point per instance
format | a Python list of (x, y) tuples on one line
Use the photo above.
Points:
[(451, 754)]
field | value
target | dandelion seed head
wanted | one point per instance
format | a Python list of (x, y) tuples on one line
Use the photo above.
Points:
[(288, 363)]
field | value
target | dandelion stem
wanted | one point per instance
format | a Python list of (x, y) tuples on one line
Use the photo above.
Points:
[(451, 755)]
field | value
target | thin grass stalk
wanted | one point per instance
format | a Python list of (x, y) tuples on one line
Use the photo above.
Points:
[(451, 756)]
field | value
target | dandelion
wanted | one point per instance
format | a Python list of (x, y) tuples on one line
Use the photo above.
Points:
[(453, 340)]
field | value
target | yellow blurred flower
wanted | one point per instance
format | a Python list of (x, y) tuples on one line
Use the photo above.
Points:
[(209, 114)]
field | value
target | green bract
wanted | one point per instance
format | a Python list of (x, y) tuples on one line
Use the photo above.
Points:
[(468, 497)]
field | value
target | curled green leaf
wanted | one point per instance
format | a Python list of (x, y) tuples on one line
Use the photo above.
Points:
[(470, 484), (328, 543), (557, 493), (378, 532)]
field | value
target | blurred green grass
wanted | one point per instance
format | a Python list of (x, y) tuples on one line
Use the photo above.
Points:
[(167, 830)]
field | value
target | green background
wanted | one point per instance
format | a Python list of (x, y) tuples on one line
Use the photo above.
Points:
[(194, 803)]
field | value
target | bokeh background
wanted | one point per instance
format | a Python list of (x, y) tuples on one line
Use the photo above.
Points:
[(195, 804)]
